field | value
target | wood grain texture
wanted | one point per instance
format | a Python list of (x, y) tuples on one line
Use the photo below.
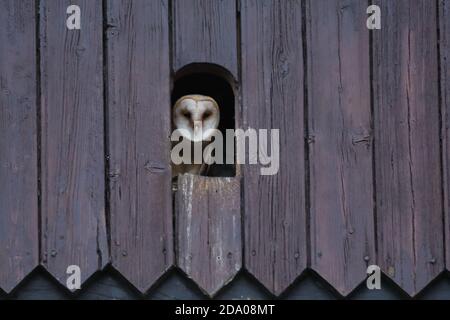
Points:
[(204, 31), (408, 174), (73, 191), (444, 19), (139, 145), (272, 98), (208, 224), (340, 152), (18, 143)]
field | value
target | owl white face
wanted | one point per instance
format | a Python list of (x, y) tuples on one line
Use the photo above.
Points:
[(198, 115)]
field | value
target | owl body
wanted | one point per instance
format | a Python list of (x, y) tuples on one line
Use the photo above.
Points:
[(198, 116)]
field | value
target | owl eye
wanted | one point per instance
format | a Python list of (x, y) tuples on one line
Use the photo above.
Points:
[(207, 114), (186, 113)]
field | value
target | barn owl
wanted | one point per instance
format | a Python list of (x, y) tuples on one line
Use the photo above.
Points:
[(199, 115)]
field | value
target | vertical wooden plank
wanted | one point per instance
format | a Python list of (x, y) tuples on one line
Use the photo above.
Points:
[(73, 192), (208, 218), (205, 31), (272, 98), (342, 228), (139, 145), (444, 41), (408, 174), (18, 142)]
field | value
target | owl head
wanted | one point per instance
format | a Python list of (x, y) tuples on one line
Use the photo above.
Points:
[(198, 115)]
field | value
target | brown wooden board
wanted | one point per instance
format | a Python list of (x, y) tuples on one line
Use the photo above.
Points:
[(340, 143), (72, 157), (138, 139), (444, 19), (205, 31), (18, 143), (272, 98), (407, 155), (208, 224)]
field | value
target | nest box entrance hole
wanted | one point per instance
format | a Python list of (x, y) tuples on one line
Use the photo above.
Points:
[(217, 83)]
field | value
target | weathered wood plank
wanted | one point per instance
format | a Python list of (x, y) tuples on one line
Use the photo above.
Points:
[(272, 98), (205, 31), (208, 224), (444, 19), (73, 191), (340, 152), (408, 174), (139, 145), (18, 143)]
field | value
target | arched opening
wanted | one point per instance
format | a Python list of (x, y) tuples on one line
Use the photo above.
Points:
[(217, 83)]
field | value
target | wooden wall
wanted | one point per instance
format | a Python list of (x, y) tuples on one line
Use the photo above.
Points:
[(85, 175)]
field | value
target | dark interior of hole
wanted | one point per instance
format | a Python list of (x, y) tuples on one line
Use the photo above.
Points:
[(220, 90)]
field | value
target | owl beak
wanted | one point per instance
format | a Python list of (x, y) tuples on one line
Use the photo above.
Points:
[(197, 130), (197, 126)]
